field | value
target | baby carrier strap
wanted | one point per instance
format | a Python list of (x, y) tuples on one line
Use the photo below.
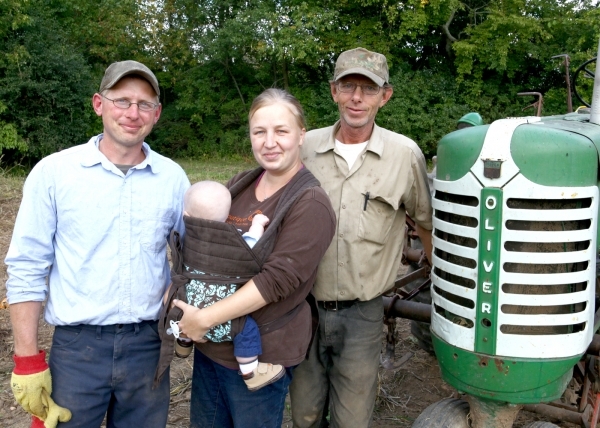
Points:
[(177, 291), (302, 181)]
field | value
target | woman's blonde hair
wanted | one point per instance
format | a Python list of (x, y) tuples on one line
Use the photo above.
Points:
[(274, 96)]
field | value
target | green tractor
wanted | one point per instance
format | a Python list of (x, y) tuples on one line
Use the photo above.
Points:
[(513, 276)]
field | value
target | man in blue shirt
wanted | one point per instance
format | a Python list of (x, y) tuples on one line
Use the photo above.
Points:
[(90, 237)]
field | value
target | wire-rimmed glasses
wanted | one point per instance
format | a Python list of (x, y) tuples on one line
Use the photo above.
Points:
[(350, 87), (124, 104)]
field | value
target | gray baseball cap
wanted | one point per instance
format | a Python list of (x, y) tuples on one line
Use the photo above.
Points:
[(117, 70), (364, 62)]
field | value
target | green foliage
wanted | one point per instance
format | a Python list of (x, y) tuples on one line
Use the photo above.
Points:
[(45, 87), (447, 57), (13, 15), (425, 106), (9, 138), (515, 42)]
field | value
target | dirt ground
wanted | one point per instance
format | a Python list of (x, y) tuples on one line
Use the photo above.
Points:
[(403, 393)]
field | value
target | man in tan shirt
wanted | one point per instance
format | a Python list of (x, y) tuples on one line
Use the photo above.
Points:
[(373, 177)]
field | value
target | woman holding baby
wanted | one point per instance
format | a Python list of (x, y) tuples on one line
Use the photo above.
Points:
[(303, 224)]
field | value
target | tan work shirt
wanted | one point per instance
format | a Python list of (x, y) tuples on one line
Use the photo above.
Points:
[(370, 201)]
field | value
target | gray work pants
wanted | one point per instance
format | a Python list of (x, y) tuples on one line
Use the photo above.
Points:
[(343, 362)]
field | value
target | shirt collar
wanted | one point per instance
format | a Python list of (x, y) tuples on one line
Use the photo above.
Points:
[(375, 141), (94, 156)]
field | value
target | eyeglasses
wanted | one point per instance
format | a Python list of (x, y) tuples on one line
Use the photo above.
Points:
[(350, 87), (124, 104)]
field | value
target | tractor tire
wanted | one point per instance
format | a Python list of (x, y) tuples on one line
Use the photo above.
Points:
[(541, 424), (448, 413)]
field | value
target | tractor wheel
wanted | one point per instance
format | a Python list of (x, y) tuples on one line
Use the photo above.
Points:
[(448, 413), (579, 78), (541, 424)]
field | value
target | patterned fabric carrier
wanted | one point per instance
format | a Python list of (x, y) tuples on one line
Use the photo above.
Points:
[(202, 294)]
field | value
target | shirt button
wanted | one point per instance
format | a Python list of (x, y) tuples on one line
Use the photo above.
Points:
[(341, 235), (341, 263), (344, 207), (342, 293)]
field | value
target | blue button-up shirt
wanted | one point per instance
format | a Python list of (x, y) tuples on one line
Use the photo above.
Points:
[(93, 240)]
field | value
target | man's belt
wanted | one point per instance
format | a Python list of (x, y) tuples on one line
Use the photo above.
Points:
[(336, 305)]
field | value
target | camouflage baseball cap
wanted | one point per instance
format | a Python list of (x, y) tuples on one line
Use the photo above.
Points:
[(361, 61), (117, 70)]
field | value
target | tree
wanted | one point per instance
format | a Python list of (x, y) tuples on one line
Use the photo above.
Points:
[(212, 58), (44, 86)]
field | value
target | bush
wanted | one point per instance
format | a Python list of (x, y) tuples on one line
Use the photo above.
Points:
[(45, 91)]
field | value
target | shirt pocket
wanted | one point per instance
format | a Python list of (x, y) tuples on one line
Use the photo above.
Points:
[(154, 233), (376, 220)]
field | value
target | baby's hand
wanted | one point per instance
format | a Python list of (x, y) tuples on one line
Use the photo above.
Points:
[(260, 220)]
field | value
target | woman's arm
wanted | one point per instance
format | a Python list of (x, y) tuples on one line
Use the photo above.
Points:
[(195, 322), (302, 241)]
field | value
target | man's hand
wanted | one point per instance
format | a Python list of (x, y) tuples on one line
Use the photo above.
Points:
[(32, 385)]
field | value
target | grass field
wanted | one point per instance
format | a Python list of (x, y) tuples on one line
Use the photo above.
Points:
[(216, 169)]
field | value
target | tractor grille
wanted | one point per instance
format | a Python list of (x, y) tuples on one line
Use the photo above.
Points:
[(545, 293)]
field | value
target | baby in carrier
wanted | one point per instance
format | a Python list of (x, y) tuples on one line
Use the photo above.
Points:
[(210, 200)]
